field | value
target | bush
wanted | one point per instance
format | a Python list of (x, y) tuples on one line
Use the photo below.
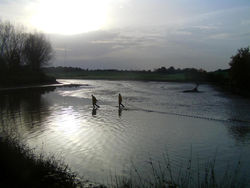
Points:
[(21, 168), (240, 68)]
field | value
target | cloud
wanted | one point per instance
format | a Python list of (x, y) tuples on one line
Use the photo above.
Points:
[(245, 22), (103, 43), (207, 46), (207, 39), (220, 36), (14, 11), (206, 27)]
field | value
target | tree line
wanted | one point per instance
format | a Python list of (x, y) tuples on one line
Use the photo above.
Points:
[(22, 55), (236, 78), (163, 70)]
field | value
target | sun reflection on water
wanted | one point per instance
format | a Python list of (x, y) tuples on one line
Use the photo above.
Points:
[(68, 123)]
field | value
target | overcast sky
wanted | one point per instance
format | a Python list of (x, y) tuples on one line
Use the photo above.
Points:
[(137, 34)]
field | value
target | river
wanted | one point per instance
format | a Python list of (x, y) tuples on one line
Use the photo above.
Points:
[(158, 120)]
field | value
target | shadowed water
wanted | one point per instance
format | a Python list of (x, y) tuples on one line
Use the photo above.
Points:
[(158, 118)]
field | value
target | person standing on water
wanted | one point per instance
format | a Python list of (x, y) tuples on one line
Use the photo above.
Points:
[(120, 101), (94, 101)]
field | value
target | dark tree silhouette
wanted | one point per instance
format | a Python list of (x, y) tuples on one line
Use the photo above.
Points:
[(11, 44), (240, 69), (37, 51), (22, 56), (161, 70)]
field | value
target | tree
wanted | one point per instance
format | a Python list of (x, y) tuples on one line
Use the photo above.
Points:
[(37, 51), (161, 70), (11, 45), (22, 56), (240, 69)]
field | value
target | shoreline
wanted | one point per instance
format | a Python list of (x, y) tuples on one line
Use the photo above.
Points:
[(40, 171), (138, 80), (39, 86)]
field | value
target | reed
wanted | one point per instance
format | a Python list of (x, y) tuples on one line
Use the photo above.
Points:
[(162, 176), (20, 167)]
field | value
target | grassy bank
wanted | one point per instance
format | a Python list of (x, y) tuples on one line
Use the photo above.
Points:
[(25, 78), (116, 75), (21, 168), (188, 75)]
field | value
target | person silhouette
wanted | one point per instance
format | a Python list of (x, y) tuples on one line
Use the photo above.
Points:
[(94, 101), (120, 101)]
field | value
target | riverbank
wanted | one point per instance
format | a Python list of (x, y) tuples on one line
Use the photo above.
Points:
[(21, 168), (24, 78), (58, 84)]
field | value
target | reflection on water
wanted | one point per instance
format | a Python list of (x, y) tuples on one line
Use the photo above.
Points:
[(24, 109), (241, 133), (119, 112), (157, 117), (94, 112)]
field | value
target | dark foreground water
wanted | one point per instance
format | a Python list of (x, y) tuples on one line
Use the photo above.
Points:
[(159, 120)]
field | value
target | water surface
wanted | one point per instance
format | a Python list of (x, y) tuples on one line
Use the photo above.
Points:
[(158, 119)]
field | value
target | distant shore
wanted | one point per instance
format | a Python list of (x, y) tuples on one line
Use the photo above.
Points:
[(70, 73), (218, 78)]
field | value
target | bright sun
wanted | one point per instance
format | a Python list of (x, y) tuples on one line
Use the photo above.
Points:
[(69, 16)]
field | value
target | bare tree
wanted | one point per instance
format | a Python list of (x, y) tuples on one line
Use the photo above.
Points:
[(22, 55), (11, 44), (37, 51)]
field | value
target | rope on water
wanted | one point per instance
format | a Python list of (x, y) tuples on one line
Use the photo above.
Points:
[(193, 116)]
